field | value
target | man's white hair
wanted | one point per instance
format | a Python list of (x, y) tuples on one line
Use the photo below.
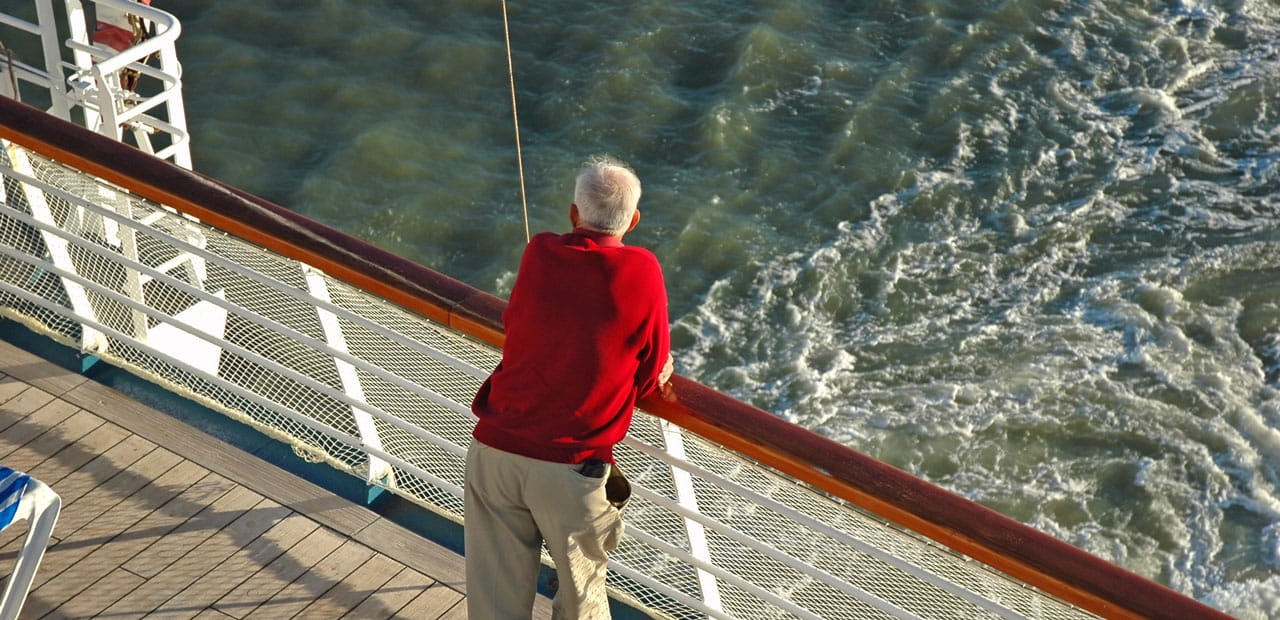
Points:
[(606, 192)]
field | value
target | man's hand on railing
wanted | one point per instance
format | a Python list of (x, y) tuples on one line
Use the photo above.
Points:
[(664, 380), (667, 369)]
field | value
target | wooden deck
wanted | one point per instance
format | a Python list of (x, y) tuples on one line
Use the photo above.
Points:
[(162, 520)]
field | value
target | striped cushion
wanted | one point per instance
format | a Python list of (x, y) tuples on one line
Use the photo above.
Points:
[(12, 485)]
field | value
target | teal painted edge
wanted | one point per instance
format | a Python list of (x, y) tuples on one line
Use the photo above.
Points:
[(419, 520), (87, 362)]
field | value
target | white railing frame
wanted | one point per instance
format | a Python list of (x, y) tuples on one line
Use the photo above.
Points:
[(269, 364), (108, 95), (346, 439), (378, 469), (845, 538), (677, 462), (324, 304), (704, 564), (673, 439), (91, 82), (52, 59), (49, 79), (56, 244), (257, 358), (700, 561)]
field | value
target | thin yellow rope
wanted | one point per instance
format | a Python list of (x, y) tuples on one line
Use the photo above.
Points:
[(515, 118)]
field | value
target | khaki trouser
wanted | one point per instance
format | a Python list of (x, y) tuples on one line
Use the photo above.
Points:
[(513, 503)]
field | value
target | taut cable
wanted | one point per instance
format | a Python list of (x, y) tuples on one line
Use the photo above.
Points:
[(515, 118)]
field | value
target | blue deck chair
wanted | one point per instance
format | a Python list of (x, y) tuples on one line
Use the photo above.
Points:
[(24, 497)]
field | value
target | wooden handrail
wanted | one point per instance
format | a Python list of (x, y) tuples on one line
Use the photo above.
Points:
[(960, 524)]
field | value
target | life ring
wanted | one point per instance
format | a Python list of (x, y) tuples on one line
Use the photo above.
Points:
[(118, 30)]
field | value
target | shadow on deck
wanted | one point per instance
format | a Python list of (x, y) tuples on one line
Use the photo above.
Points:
[(163, 520)]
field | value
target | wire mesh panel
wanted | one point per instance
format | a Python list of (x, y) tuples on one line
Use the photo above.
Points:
[(357, 382)]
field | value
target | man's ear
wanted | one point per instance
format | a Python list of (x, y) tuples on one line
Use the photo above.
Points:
[(573, 215), (635, 219)]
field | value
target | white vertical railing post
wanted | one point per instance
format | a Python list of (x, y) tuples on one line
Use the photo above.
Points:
[(59, 252), (104, 88), (78, 25), (61, 104), (687, 497), (132, 277), (176, 107), (379, 470)]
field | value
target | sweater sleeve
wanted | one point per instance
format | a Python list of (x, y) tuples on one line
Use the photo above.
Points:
[(654, 355)]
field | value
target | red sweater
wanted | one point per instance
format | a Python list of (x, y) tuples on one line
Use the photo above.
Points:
[(586, 336)]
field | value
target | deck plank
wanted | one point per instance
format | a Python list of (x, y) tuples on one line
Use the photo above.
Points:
[(25, 402), (57, 467), (85, 469), (191, 534), (160, 520), (212, 614), (77, 455), (354, 589), (92, 600), (36, 371), (79, 511), (201, 559), (98, 471), (273, 578), (392, 596), (123, 531), (435, 602), (249, 470), (28, 418), (459, 612), (232, 572), (81, 540), (10, 387), (167, 518), (50, 442), (326, 575), (424, 555)]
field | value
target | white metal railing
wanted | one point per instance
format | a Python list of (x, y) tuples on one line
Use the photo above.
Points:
[(134, 94), (374, 390)]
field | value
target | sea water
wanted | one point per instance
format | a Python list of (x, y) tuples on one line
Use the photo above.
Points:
[(1028, 250)]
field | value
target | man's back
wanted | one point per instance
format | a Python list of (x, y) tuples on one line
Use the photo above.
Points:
[(586, 335)]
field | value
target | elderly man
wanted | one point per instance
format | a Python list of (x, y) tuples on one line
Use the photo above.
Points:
[(586, 337)]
